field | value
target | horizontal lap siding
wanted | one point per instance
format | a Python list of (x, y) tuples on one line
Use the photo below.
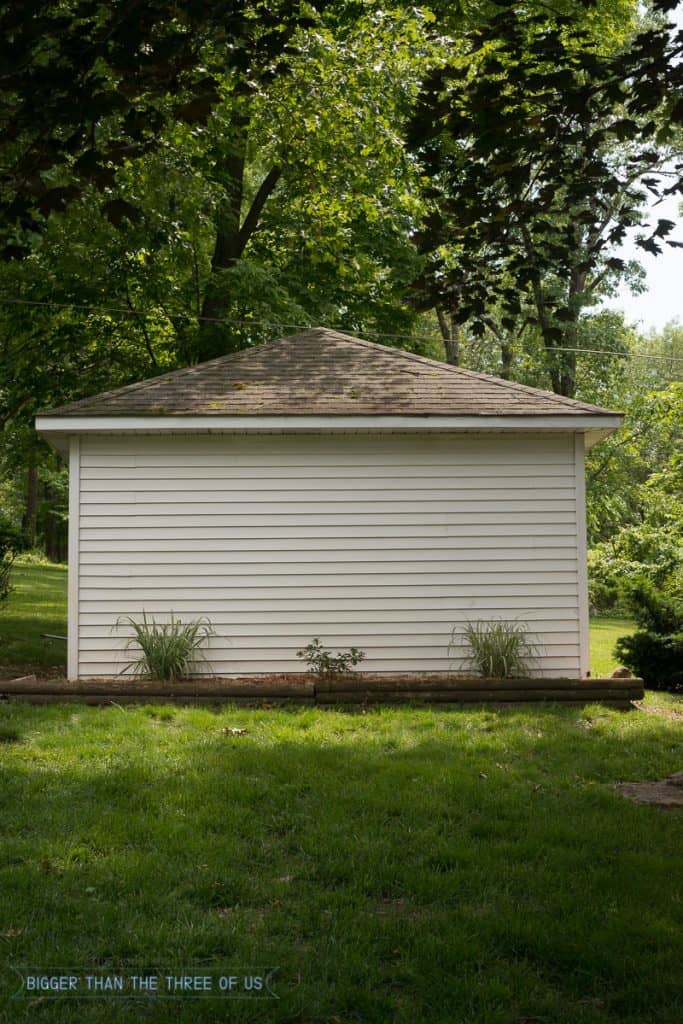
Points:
[(383, 542)]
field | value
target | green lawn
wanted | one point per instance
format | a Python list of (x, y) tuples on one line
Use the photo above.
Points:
[(604, 634), (38, 605), (401, 865)]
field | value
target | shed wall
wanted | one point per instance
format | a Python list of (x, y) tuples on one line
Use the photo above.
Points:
[(380, 541)]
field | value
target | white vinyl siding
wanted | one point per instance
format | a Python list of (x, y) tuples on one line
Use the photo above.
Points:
[(381, 541)]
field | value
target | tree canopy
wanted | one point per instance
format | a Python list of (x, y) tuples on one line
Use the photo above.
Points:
[(88, 86), (180, 181), (540, 151)]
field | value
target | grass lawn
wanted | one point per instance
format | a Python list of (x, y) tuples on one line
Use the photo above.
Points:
[(401, 865), (604, 634), (37, 605), (404, 865)]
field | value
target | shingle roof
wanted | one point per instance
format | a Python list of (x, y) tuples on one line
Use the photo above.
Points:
[(323, 372)]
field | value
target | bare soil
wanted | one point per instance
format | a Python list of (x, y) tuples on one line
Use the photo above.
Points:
[(666, 793), (672, 713)]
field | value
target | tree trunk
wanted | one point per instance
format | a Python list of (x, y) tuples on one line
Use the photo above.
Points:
[(55, 530), (30, 518), (450, 332), (505, 359), (217, 338), (561, 364)]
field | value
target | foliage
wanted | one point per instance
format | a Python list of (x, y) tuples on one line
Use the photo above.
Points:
[(635, 552), (288, 201), (652, 610), (315, 224), (324, 663), (655, 651), (291, 203), (655, 658), (539, 149), (635, 489), (499, 649), (11, 542), (253, 168), (165, 650), (88, 86)]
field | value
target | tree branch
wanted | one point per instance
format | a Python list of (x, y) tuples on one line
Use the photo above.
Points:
[(251, 220)]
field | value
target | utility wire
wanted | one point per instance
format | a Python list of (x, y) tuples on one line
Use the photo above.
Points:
[(301, 327)]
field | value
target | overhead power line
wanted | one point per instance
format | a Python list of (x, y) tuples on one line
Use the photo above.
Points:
[(280, 324)]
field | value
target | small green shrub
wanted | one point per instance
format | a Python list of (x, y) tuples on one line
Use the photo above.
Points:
[(656, 659), (655, 651), (653, 610), (165, 650), (324, 663), (499, 648)]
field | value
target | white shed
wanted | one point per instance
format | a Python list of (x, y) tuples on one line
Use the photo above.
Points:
[(324, 486)]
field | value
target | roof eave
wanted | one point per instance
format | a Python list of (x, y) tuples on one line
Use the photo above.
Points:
[(58, 429)]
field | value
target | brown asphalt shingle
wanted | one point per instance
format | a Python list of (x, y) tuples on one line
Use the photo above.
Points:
[(323, 372)]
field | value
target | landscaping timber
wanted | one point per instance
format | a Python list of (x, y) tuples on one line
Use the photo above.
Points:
[(129, 698), (351, 688), (210, 688), (437, 681)]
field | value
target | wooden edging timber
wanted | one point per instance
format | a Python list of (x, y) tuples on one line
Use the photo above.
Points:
[(209, 688), (444, 681), (304, 688), (473, 696)]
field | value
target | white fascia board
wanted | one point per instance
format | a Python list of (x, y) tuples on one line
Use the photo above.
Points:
[(52, 426)]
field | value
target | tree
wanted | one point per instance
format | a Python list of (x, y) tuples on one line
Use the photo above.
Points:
[(633, 382), (640, 531), (334, 234), (321, 189), (88, 85), (98, 301), (539, 149)]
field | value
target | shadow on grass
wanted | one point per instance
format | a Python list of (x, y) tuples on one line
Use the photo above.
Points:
[(410, 864)]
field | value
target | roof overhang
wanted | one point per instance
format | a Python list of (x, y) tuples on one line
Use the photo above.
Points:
[(58, 429)]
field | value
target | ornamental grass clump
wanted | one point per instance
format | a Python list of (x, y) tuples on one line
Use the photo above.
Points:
[(499, 649), (165, 650)]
